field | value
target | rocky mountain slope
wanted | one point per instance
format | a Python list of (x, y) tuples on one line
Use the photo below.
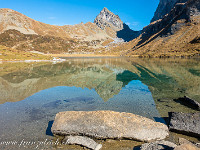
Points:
[(10, 19), (174, 31), (23, 33), (176, 34), (164, 7), (108, 19)]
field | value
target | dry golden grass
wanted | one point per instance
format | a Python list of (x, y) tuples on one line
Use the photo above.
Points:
[(81, 55), (176, 45), (8, 54)]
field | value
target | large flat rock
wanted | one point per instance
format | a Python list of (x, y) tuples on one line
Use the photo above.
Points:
[(108, 124)]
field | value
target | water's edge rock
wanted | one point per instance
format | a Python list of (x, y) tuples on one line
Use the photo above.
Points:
[(185, 123), (108, 124)]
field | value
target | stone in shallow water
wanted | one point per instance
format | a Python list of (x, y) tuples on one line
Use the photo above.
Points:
[(189, 102), (185, 123), (81, 140), (108, 124), (158, 145), (187, 147)]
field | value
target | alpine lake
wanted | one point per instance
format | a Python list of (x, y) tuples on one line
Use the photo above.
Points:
[(31, 94)]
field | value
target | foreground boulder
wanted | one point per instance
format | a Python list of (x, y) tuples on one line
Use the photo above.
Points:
[(185, 123), (108, 124), (83, 141), (158, 145)]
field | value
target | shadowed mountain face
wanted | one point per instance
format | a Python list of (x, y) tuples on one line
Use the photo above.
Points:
[(165, 78), (176, 25), (164, 7), (127, 34)]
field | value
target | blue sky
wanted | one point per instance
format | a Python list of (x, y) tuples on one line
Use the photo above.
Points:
[(136, 13)]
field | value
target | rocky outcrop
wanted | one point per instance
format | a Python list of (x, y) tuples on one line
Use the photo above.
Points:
[(185, 123), (108, 19), (183, 10), (172, 34), (165, 23), (164, 7), (108, 124)]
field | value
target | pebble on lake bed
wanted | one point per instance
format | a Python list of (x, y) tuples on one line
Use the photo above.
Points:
[(158, 145), (82, 140)]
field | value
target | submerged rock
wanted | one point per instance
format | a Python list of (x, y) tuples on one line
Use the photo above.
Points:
[(186, 147), (189, 102), (81, 140), (184, 141), (108, 124), (185, 123), (158, 145)]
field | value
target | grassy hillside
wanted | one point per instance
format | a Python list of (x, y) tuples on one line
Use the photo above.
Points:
[(8, 54)]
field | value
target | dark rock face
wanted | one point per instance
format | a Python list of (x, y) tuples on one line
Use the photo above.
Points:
[(164, 7), (158, 145), (193, 8), (185, 123), (127, 34), (172, 22)]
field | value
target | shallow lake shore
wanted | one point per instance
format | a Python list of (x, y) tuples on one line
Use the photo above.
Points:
[(35, 92)]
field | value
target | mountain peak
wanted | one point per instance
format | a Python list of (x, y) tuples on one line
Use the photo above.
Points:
[(105, 9), (107, 18)]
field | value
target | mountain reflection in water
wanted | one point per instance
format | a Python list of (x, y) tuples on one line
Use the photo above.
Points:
[(165, 78), (142, 86)]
